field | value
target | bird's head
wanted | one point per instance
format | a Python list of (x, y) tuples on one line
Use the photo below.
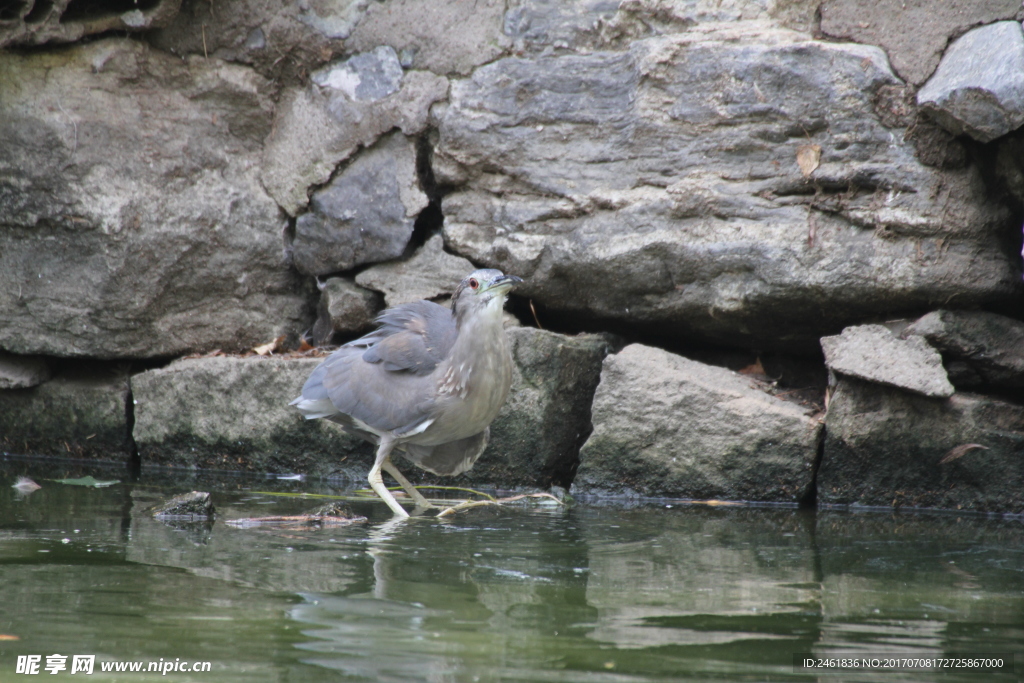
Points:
[(482, 290)]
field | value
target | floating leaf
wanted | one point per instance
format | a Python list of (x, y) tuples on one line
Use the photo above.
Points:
[(807, 158), (960, 451), (26, 485), (290, 521), (87, 481)]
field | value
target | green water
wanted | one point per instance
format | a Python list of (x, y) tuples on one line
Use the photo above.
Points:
[(589, 593)]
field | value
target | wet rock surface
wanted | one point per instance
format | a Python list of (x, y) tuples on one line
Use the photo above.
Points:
[(665, 425), (232, 414)]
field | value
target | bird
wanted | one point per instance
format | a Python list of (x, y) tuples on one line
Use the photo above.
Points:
[(427, 383)]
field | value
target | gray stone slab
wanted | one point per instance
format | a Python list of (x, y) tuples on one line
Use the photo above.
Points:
[(978, 88), (989, 345), (365, 214), (874, 353), (430, 273), (659, 185), (665, 425), (232, 413)]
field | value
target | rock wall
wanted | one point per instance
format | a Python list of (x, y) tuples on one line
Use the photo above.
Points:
[(733, 182)]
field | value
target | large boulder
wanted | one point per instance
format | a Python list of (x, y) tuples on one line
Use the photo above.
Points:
[(80, 413), (232, 413), (888, 447), (978, 88), (873, 353), (733, 184), (347, 105), (914, 34), (981, 349), (132, 220), (365, 214), (665, 425)]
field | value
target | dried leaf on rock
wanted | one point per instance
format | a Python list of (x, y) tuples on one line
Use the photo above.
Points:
[(808, 157), (269, 347), (960, 451)]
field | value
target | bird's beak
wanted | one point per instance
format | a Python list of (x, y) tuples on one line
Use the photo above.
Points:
[(505, 282)]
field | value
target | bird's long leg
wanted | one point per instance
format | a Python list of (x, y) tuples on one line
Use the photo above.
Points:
[(416, 496), (377, 482)]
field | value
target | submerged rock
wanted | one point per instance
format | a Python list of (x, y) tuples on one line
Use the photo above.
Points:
[(978, 88), (193, 506), (873, 353), (889, 447), (665, 425)]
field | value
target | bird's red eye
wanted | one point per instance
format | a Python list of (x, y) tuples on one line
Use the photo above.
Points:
[(473, 283)]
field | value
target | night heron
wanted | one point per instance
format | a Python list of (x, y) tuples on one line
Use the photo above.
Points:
[(428, 382)]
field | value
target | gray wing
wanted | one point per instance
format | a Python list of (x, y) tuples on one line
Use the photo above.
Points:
[(412, 337), (380, 382), (449, 459)]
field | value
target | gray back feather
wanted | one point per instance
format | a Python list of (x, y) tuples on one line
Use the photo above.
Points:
[(382, 380)]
